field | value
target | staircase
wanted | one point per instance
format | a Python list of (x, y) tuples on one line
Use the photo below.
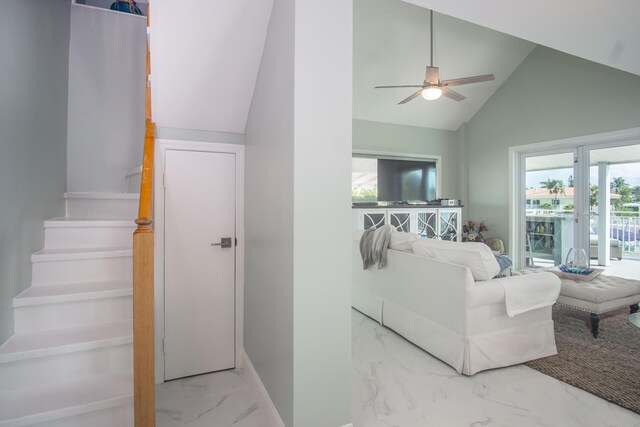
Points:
[(70, 360)]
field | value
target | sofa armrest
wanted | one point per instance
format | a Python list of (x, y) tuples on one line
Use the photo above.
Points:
[(529, 291)]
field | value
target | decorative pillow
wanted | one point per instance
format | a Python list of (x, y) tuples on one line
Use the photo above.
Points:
[(477, 256), (402, 241)]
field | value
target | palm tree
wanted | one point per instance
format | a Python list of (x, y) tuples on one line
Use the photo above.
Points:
[(555, 186), (617, 184)]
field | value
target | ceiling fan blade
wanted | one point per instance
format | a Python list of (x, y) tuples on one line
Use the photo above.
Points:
[(387, 87), (415, 95), (450, 93), (468, 80)]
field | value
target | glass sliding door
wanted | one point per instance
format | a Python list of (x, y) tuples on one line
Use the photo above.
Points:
[(580, 193), (549, 208), (614, 204)]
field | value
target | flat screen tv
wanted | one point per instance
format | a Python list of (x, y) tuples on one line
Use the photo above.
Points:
[(402, 180)]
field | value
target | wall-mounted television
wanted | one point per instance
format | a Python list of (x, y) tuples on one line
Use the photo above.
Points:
[(392, 179)]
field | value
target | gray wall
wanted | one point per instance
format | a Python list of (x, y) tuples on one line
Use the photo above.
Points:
[(551, 95), (298, 227), (268, 293), (106, 98), (33, 135), (404, 139)]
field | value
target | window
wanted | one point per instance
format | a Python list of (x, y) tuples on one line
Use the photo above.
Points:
[(364, 179), (392, 179)]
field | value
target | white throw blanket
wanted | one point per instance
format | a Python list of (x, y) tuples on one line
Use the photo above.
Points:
[(528, 293), (374, 245)]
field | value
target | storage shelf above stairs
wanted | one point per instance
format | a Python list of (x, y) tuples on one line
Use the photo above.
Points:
[(70, 361)]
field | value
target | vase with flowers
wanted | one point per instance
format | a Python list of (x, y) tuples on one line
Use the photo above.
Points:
[(472, 230)]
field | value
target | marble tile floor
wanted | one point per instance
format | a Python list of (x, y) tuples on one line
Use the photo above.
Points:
[(397, 384), (220, 399)]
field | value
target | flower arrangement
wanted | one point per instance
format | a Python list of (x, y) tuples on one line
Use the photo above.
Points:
[(472, 230)]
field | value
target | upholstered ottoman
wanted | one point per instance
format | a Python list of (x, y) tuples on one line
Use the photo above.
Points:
[(600, 295)]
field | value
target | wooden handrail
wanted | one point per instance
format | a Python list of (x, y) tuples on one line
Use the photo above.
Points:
[(143, 334)]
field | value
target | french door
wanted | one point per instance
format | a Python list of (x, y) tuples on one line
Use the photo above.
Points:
[(550, 211), (580, 193)]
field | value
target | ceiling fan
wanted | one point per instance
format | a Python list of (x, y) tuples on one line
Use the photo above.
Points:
[(433, 87)]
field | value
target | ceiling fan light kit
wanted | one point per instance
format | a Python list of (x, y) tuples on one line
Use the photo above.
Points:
[(433, 87), (431, 93)]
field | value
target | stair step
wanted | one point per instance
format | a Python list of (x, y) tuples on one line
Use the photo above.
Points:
[(63, 222), (39, 295), (58, 341), (88, 233), (75, 265), (65, 399), (102, 205), (70, 254), (39, 358), (67, 305)]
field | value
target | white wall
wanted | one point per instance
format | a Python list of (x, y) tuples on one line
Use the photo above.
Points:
[(298, 229), (269, 175), (551, 96), (322, 212), (403, 139), (33, 135), (106, 98)]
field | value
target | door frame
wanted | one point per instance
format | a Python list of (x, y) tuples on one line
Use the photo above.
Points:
[(583, 144), (162, 146)]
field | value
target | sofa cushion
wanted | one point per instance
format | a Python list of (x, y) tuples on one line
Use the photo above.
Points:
[(401, 241), (476, 256)]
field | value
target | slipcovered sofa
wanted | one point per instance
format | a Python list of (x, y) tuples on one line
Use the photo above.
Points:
[(440, 307)]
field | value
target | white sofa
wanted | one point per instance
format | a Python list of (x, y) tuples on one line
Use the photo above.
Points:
[(438, 306)]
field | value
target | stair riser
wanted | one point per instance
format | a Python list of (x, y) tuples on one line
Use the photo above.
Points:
[(88, 237), (65, 367), (69, 314), (102, 208), (80, 271)]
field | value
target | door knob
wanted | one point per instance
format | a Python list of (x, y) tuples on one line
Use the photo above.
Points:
[(225, 242)]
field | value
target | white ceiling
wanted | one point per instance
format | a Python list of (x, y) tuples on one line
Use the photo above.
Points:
[(391, 47), (607, 32), (206, 57)]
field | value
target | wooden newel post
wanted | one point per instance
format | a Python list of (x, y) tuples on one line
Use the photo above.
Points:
[(143, 344), (143, 298)]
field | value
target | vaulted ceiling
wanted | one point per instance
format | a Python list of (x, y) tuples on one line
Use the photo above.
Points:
[(206, 56), (391, 47)]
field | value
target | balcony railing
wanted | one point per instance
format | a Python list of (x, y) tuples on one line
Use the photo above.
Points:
[(624, 225)]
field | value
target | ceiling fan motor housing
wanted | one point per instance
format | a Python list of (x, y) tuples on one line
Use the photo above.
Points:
[(432, 77)]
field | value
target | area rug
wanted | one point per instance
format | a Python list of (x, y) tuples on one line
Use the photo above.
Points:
[(608, 366)]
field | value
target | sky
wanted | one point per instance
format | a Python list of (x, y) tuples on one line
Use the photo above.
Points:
[(629, 171)]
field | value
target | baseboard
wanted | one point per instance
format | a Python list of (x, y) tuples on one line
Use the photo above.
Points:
[(265, 399), (348, 425)]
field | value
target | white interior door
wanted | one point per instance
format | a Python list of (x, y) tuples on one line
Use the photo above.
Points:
[(200, 193)]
